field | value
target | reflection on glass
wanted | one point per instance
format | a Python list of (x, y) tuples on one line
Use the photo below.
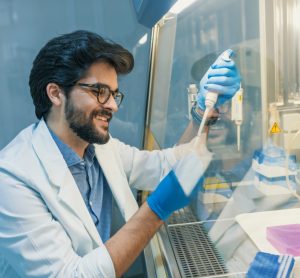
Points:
[(263, 174)]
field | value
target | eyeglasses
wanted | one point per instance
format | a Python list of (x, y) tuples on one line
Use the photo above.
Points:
[(103, 92)]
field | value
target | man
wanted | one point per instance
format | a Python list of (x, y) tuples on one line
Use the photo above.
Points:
[(58, 176)]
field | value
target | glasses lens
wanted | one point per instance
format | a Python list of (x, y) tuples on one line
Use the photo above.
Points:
[(103, 95), (118, 98)]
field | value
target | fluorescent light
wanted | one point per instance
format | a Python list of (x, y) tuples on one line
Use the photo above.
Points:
[(180, 5), (143, 39)]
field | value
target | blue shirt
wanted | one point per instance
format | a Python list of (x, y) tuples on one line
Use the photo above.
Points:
[(92, 185)]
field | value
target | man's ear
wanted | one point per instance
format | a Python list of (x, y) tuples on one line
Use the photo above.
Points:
[(55, 94)]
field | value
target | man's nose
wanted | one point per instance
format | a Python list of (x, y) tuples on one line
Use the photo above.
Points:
[(111, 104)]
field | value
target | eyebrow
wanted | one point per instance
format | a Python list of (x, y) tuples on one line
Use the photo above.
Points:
[(101, 84), (116, 90)]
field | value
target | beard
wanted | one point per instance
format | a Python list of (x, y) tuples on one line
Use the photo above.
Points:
[(83, 125)]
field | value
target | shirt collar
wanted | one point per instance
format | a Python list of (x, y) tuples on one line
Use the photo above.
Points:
[(71, 157)]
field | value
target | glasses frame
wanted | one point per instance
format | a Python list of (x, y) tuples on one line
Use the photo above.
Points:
[(95, 89)]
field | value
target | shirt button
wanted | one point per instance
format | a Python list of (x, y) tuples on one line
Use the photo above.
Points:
[(91, 203), (82, 163)]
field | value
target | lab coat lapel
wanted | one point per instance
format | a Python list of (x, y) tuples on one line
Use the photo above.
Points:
[(112, 167), (70, 195), (61, 178)]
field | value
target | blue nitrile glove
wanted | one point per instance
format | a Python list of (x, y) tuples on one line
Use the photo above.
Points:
[(222, 77), (271, 266), (176, 191)]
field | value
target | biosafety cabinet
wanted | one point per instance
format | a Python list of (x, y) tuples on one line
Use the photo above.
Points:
[(250, 198)]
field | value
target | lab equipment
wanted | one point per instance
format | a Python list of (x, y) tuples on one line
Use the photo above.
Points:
[(270, 161), (285, 238), (237, 114), (290, 125), (271, 265), (216, 190), (274, 124), (269, 166), (269, 67), (212, 97), (290, 145), (192, 97)]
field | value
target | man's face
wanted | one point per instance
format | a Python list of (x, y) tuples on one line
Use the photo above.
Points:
[(223, 132), (89, 119)]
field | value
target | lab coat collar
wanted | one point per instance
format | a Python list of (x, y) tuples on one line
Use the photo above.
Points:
[(60, 177), (112, 167)]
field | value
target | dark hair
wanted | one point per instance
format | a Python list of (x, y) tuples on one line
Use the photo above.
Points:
[(65, 59)]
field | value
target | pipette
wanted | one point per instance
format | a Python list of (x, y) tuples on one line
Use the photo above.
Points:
[(211, 98), (237, 114)]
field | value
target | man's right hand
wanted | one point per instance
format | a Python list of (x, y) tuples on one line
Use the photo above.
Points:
[(223, 78), (178, 188)]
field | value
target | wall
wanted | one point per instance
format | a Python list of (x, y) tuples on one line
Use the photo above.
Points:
[(25, 26)]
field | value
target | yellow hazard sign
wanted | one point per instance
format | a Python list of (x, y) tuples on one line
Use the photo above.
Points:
[(275, 128)]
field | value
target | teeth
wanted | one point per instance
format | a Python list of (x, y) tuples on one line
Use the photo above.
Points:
[(101, 118)]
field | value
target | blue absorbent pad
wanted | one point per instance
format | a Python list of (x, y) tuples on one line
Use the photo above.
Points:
[(267, 265)]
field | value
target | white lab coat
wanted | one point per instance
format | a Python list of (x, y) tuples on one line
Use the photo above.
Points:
[(45, 227)]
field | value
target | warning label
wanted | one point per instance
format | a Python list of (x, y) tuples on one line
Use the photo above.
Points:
[(275, 128)]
